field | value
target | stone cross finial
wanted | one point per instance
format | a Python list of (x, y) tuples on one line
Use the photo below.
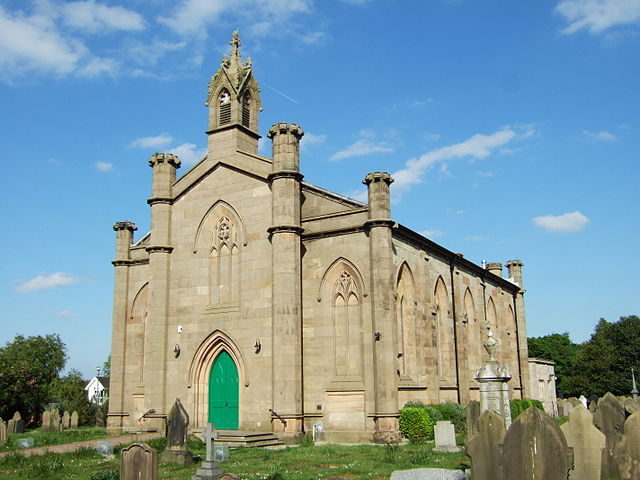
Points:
[(235, 44), (209, 468), (210, 435)]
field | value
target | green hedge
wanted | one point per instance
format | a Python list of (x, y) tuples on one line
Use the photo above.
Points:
[(416, 424), (454, 412), (519, 405)]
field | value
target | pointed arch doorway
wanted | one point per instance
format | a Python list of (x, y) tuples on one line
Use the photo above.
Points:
[(223, 393)]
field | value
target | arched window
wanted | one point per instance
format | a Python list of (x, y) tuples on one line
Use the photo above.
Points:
[(246, 109), (474, 337), (224, 263), (406, 324), (347, 327), (224, 103), (444, 334)]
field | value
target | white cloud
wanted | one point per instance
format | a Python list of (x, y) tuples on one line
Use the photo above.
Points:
[(565, 223), (64, 314), (596, 16), (602, 135), (158, 141), (310, 139), (365, 146), (149, 53), (432, 136), (32, 43), (94, 17), (104, 166), (432, 233), (188, 153), (98, 66), (41, 282), (261, 16), (476, 147), (361, 195)]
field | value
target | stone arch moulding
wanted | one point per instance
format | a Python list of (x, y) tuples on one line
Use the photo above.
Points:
[(136, 299), (200, 368), (346, 265), (405, 269), (210, 215)]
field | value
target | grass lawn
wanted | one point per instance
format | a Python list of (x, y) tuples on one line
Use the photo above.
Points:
[(42, 439), (305, 462)]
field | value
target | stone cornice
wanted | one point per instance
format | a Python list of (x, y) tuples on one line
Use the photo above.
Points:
[(125, 226), (379, 222), (130, 263), (158, 200), (285, 229), (333, 233), (237, 126), (285, 174), (159, 249)]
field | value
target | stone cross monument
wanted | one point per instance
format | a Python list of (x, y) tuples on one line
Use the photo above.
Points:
[(634, 390), (209, 469), (493, 379)]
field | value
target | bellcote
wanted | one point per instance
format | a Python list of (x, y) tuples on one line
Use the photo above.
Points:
[(233, 96)]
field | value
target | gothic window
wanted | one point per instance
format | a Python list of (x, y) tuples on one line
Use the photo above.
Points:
[(475, 334), (405, 318), (444, 334), (224, 263), (346, 326), (246, 111), (224, 102)]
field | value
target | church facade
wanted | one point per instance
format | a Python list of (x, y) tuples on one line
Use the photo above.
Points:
[(266, 303)]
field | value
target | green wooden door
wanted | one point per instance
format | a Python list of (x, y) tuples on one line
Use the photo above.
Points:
[(223, 393)]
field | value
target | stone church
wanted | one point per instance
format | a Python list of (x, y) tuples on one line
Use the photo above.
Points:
[(268, 304)]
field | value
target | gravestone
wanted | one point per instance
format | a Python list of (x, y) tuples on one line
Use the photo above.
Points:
[(445, 437), (209, 469), (3, 432), (428, 474), (176, 433), (534, 448), (66, 418), (11, 426), (583, 401), (100, 418), (73, 421), (46, 421), (627, 451), (587, 443), (139, 462), (593, 402), (493, 379), (55, 420), (471, 414), (484, 447), (609, 418), (631, 405), (228, 476), (18, 423)]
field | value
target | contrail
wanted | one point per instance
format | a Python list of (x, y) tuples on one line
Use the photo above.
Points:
[(278, 91)]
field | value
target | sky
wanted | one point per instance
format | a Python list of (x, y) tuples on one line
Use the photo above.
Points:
[(512, 130)]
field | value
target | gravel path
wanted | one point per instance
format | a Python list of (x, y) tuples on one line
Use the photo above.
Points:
[(72, 447)]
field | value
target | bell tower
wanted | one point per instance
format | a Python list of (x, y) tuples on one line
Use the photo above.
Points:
[(234, 103)]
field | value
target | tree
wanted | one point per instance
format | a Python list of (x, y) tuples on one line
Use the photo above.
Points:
[(604, 363), (69, 392), (559, 348), (28, 365)]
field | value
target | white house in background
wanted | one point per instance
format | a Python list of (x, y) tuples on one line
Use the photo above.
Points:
[(96, 393)]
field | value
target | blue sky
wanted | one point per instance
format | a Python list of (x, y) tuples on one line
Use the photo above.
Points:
[(512, 129)]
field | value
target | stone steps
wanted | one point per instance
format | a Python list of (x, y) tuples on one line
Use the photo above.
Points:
[(238, 438)]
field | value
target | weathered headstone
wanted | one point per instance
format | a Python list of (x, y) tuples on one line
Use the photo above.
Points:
[(209, 469), (583, 401), (46, 421), (631, 405), (593, 402), (18, 423), (534, 448), (427, 474), (66, 418), (627, 451), (3, 432), (484, 447), (177, 426), (493, 379), (73, 421), (139, 462), (587, 443), (609, 418), (11, 426), (228, 476), (472, 414), (445, 437), (55, 420)]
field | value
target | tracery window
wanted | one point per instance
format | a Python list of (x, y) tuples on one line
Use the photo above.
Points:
[(347, 327), (224, 263)]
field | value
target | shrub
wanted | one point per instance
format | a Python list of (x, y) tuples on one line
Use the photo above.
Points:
[(434, 412), (454, 412), (519, 405), (416, 424)]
